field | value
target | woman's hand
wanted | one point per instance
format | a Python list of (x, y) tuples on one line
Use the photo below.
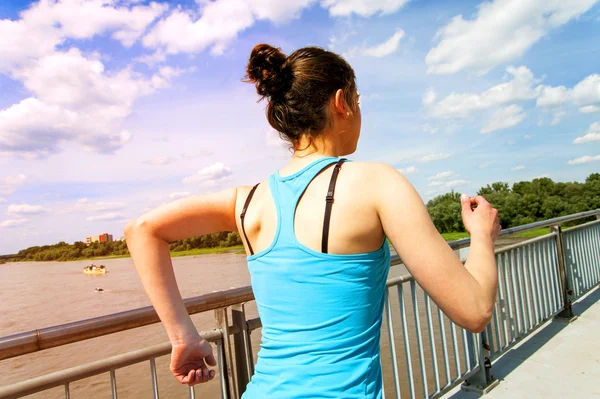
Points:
[(479, 217), (190, 361)]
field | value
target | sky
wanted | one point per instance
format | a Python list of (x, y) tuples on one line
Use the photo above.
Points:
[(110, 108)]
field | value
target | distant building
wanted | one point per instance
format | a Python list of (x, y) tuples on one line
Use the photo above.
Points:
[(100, 238)]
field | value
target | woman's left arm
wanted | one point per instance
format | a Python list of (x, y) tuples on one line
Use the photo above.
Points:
[(148, 239)]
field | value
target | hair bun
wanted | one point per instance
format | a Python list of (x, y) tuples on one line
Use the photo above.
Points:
[(267, 69)]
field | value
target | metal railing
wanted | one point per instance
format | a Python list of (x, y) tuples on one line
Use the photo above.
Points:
[(538, 279)]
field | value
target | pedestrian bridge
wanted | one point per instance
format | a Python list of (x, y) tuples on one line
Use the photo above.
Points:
[(542, 341)]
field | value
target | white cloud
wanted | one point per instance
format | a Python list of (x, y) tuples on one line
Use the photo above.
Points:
[(408, 171), (528, 137), (109, 216), (588, 109), (584, 159), (197, 154), (593, 134), (504, 118), (159, 161), (434, 157), (3, 200), (435, 183), (442, 175), (500, 32), (456, 183), (364, 8), (386, 48), (516, 168), (14, 222), (25, 209), (9, 183), (585, 95), (216, 23), (210, 175), (429, 96), (457, 105), (427, 128), (179, 194), (486, 164), (83, 205)]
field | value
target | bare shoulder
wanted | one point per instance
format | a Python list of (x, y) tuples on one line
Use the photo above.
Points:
[(376, 176)]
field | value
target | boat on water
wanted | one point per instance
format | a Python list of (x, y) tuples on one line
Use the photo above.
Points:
[(93, 269)]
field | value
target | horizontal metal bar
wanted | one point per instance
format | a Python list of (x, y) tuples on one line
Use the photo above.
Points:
[(50, 337), (69, 375), (465, 242), (254, 324), (523, 243), (581, 226)]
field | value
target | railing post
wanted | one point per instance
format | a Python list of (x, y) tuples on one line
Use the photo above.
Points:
[(223, 325), (241, 343), (566, 314), (483, 381)]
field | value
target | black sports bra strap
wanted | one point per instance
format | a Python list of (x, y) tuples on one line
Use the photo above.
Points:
[(329, 204), (243, 215)]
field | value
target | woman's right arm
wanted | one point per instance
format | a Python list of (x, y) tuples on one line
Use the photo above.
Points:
[(466, 294)]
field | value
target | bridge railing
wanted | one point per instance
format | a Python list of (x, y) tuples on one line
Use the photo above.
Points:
[(538, 279)]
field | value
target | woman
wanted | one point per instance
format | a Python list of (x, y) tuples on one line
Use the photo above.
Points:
[(318, 265)]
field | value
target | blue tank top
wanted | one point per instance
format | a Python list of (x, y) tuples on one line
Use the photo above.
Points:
[(321, 313)]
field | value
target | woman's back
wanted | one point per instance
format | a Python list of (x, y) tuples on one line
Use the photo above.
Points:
[(321, 312)]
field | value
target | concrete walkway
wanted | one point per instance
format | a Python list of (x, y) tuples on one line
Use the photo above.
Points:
[(560, 361)]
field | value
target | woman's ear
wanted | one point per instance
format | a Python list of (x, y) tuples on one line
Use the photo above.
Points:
[(340, 105)]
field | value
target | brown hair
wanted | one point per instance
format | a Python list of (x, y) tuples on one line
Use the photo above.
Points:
[(299, 87)]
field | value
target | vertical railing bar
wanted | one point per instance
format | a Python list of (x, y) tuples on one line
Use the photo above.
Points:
[(67, 391), (192, 393), (113, 384), (527, 284), (388, 316), (534, 282), (436, 373), (590, 254), (553, 275), (413, 289), (154, 377), (509, 305), (503, 301), (466, 350), (456, 355), (409, 369), (514, 294), (495, 314), (444, 346), (580, 265), (222, 371), (518, 293), (538, 277), (594, 249), (522, 290), (570, 266), (547, 293), (586, 261)]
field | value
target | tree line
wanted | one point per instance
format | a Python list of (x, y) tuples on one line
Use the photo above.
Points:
[(525, 202), (79, 250)]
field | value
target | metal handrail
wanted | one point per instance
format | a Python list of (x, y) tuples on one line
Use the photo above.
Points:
[(62, 334)]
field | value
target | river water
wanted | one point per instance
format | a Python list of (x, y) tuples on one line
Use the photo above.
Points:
[(42, 294)]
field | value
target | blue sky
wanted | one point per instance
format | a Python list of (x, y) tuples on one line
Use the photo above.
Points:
[(109, 108)]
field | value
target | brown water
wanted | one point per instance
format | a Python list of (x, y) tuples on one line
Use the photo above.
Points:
[(41, 294)]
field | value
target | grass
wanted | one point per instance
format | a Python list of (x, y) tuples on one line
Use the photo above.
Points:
[(209, 251), (527, 234), (533, 233), (455, 236), (237, 249)]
